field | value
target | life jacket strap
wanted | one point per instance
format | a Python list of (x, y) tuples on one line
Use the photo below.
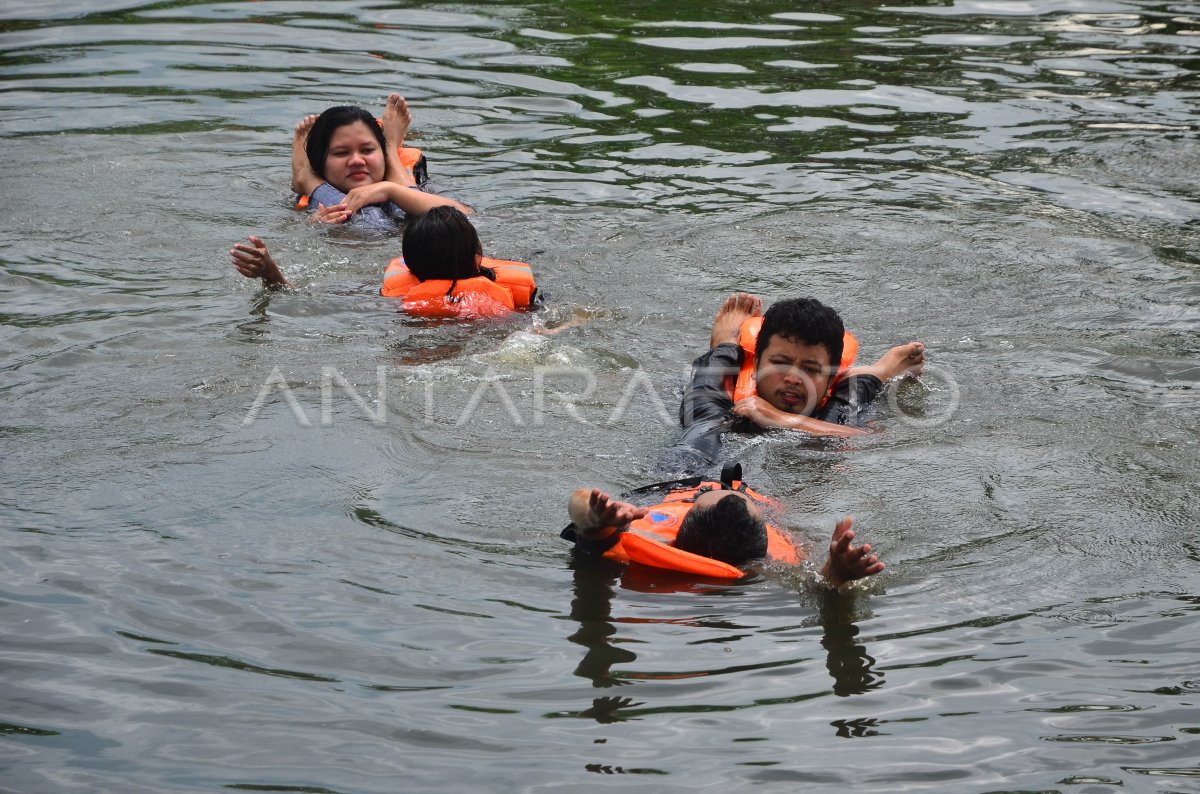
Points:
[(731, 473), (668, 485)]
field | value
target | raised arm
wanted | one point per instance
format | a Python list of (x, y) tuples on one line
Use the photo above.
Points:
[(597, 515), (255, 261), (848, 562)]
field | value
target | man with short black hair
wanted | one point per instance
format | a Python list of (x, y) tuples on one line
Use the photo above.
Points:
[(722, 522), (791, 372)]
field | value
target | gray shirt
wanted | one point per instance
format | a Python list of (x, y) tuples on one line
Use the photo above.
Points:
[(374, 216)]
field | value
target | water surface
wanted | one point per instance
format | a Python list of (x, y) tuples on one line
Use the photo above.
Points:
[(362, 590)]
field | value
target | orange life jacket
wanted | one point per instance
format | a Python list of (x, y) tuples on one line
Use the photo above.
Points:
[(743, 384), (477, 296), (647, 540), (409, 158)]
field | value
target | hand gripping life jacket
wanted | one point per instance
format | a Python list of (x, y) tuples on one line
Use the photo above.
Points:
[(647, 540), (409, 157), (743, 384), (478, 296)]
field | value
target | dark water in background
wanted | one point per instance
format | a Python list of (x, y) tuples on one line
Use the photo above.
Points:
[(370, 601)]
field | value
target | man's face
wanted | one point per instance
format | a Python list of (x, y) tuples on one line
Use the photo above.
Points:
[(793, 376)]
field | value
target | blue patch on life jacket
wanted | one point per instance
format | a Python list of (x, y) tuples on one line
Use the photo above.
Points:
[(656, 516)]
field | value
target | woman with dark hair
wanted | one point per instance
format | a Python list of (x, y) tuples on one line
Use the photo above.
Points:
[(443, 272), (442, 244), (348, 166)]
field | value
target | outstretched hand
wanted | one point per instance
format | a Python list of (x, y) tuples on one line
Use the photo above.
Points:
[(594, 511), (255, 261), (848, 562)]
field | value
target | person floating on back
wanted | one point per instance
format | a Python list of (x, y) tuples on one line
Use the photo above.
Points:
[(706, 529)]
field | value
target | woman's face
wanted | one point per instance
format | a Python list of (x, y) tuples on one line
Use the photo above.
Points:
[(354, 158)]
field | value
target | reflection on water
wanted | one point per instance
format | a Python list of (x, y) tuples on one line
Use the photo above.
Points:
[(195, 601), (595, 582), (605, 636), (847, 660)]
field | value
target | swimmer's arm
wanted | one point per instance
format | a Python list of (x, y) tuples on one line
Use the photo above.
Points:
[(409, 199), (597, 515), (255, 261), (847, 562), (765, 415)]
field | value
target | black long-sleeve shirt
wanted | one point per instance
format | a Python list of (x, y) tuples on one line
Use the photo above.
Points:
[(706, 411)]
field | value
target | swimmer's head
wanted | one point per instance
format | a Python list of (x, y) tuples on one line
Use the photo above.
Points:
[(323, 130), (724, 525), (796, 355), (442, 244), (802, 320)]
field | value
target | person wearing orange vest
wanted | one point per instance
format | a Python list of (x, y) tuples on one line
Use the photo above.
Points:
[(791, 368), (705, 529), (443, 272)]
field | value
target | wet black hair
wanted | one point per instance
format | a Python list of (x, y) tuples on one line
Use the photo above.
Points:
[(442, 244), (725, 531), (805, 320), (317, 146)]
